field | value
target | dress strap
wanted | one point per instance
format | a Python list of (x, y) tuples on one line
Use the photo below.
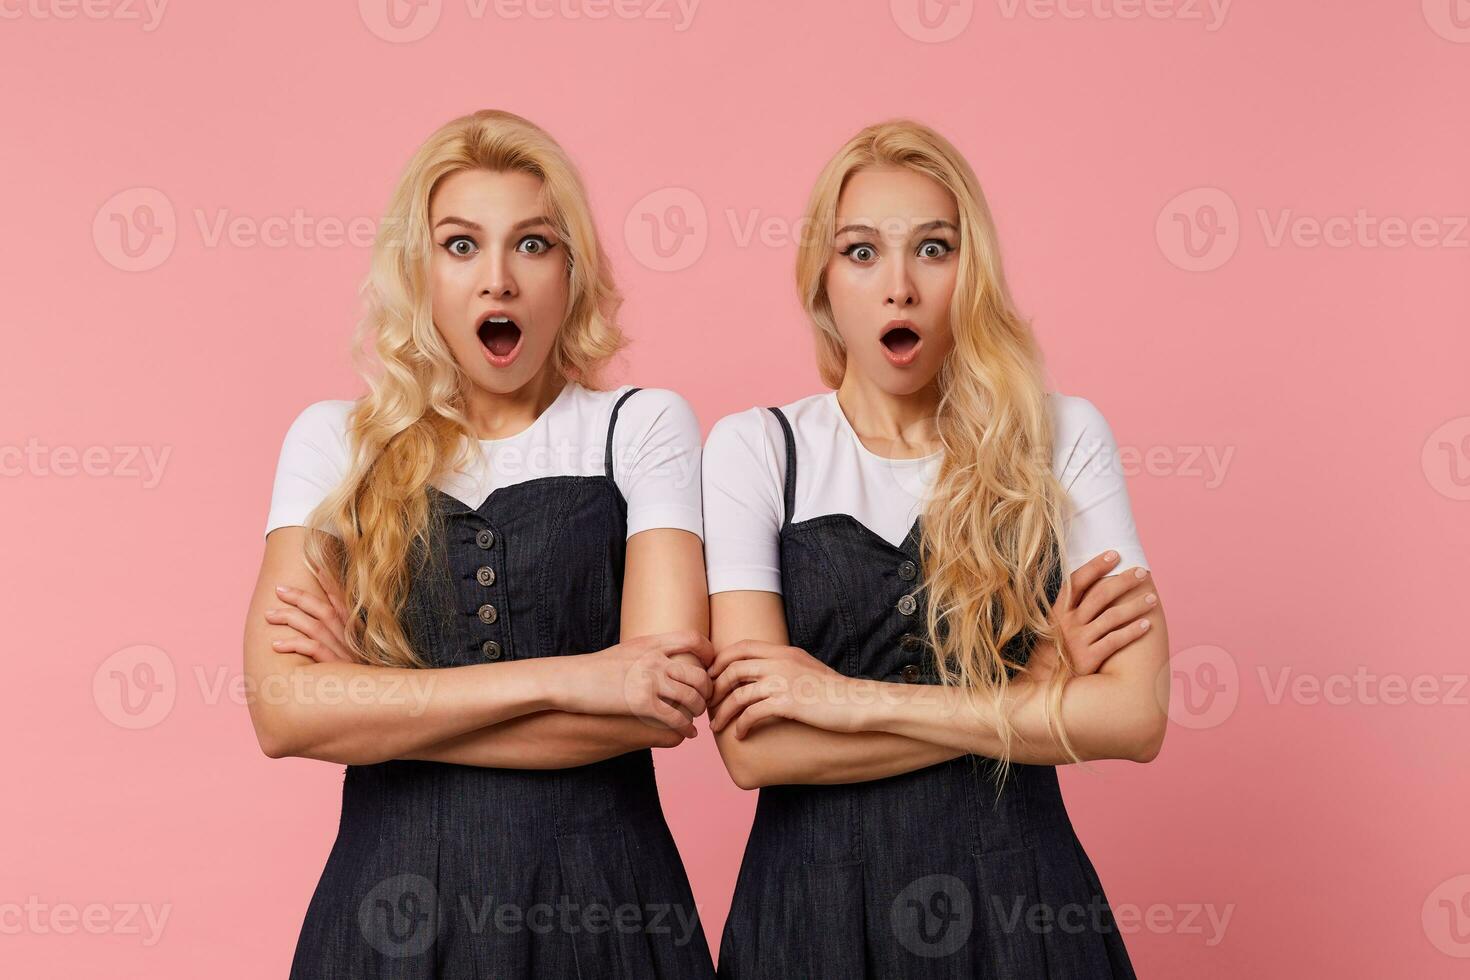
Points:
[(607, 460), (790, 490)]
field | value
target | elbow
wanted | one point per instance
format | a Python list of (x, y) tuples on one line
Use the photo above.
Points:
[(273, 743), (745, 768), (275, 732), (1150, 741)]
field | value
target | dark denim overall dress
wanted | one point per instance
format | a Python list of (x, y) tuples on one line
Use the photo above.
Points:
[(444, 870), (926, 874)]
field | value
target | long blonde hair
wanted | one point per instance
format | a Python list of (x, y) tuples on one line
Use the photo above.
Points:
[(411, 425), (992, 529)]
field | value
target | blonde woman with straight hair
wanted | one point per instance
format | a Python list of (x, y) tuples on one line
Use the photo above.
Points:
[(899, 667), (483, 594)]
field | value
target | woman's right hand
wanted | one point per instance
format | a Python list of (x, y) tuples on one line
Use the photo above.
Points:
[(640, 677), (1097, 614)]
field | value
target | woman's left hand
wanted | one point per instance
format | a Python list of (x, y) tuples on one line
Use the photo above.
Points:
[(756, 681), (319, 626)]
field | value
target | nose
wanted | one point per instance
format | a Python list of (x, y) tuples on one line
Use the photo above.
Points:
[(496, 278), (901, 291)]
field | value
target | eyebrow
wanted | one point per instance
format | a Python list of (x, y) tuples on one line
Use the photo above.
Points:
[(927, 226), (540, 219)]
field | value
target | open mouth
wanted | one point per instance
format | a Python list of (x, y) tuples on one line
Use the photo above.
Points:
[(900, 341), (500, 335)]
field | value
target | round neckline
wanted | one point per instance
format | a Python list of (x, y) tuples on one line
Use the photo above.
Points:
[(538, 420), (857, 440)]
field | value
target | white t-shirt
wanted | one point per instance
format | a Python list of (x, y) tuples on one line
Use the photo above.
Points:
[(744, 467), (656, 455)]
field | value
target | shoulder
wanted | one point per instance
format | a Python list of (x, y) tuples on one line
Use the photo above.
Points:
[(1081, 435), (321, 425), (1074, 417), (758, 426), (650, 412)]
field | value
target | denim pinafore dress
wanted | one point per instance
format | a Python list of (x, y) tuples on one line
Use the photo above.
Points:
[(926, 874), (442, 870)]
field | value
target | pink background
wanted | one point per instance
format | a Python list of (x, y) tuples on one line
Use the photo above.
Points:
[(1324, 372)]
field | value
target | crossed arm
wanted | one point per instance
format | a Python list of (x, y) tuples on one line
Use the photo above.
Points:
[(310, 700), (780, 716)]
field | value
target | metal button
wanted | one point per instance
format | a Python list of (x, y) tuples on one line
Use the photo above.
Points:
[(907, 604), (490, 649), (907, 570), (488, 614), (910, 673), (485, 539), (485, 575), (910, 642)]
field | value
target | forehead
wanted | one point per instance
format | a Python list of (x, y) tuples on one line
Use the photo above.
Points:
[(487, 196), (894, 198)]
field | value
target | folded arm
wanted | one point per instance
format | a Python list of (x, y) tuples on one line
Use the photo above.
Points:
[(663, 591), (783, 751), (307, 702)]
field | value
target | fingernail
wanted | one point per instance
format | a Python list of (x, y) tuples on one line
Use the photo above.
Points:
[(276, 643), (1111, 556), (282, 589), (1150, 598), (1143, 624), (1139, 573)]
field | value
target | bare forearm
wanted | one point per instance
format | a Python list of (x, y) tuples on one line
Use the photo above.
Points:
[(549, 740), (781, 752), (356, 714), (1106, 717)]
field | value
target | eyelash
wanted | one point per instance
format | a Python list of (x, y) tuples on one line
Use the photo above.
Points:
[(546, 245), (948, 248)]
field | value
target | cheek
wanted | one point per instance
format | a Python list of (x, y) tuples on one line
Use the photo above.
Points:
[(549, 291)]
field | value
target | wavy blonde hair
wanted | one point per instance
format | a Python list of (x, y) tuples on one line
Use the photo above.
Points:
[(411, 425), (992, 529)]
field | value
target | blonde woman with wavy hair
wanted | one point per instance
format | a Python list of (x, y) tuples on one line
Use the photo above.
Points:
[(483, 593), (900, 668)]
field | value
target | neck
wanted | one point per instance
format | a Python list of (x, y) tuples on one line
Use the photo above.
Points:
[(891, 425), (499, 415)]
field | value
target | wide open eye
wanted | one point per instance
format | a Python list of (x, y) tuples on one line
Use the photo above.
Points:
[(453, 246)]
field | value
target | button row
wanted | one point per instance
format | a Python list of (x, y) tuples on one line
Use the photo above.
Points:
[(485, 575)]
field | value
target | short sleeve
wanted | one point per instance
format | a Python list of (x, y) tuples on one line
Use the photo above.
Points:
[(1100, 515), (314, 460), (656, 456), (743, 479)]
